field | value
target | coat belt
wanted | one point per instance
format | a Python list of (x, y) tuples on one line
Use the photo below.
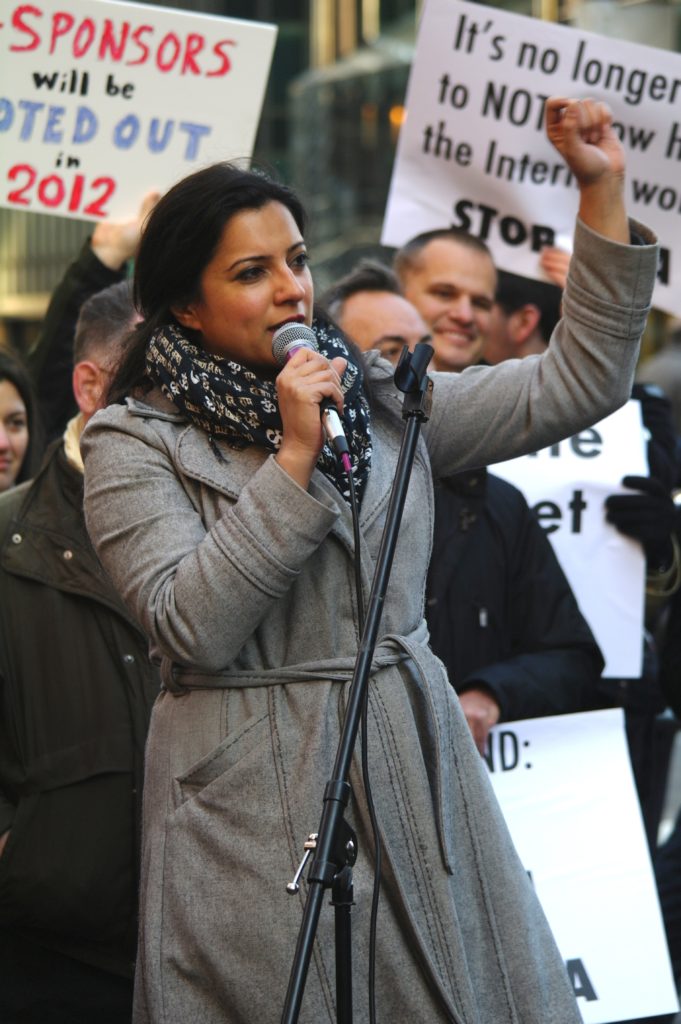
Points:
[(391, 649)]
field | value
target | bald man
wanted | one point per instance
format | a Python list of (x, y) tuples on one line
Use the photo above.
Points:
[(449, 276)]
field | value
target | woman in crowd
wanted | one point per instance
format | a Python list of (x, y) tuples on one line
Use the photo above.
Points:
[(19, 440), (216, 508)]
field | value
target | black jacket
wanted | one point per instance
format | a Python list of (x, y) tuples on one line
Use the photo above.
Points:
[(76, 691), (501, 613)]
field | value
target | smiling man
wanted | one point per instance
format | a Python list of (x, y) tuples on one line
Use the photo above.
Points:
[(449, 276)]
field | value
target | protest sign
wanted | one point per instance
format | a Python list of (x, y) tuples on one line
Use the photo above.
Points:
[(101, 102), (567, 485), (567, 793), (473, 151)]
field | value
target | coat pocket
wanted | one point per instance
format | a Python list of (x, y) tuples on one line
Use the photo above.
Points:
[(222, 759)]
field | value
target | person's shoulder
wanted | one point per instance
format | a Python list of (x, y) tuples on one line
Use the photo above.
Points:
[(10, 503), (132, 415), (503, 492)]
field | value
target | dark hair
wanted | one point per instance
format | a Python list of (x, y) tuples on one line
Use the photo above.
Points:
[(13, 370), (104, 322), (514, 292), (407, 255), (367, 276), (178, 241)]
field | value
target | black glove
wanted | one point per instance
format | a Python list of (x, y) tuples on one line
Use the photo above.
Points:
[(648, 517)]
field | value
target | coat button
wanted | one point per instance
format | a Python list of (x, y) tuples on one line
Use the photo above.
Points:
[(129, 659), (17, 538), (67, 555)]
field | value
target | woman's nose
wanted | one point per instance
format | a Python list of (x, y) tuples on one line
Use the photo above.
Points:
[(4, 439), (289, 287)]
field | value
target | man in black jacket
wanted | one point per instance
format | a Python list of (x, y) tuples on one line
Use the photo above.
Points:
[(76, 690)]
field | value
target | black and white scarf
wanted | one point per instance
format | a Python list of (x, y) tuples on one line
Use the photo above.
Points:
[(226, 399)]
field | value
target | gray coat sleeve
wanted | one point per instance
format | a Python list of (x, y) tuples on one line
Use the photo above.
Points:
[(198, 593), (490, 413)]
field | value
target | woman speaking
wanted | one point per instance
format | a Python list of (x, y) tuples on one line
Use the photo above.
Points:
[(218, 510)]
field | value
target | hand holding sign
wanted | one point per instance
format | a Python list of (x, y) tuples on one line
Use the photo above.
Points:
[(582, 132), (482, 713), (115, 242), (555, 263)]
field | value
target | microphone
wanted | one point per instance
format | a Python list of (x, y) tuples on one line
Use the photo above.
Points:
[(286, 341)]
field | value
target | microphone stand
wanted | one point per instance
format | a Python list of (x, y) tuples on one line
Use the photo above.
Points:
[(335, 844)]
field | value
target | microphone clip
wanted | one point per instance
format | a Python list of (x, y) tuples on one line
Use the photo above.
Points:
[(411, 378)]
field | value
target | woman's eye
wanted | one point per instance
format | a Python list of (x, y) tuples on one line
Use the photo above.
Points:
[(250, 274), (18, 423), (301, 260)]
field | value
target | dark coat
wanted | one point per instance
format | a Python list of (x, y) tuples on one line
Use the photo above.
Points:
[(75, 695), (501, 613)]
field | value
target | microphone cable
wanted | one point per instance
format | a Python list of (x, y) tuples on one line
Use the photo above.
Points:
[(366, 779), (286, 340)]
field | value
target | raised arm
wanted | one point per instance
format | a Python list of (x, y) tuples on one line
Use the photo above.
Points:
[(101, 262), (487, 414)]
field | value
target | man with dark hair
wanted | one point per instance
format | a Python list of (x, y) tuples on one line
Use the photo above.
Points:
[(369, 306), (523, 317), (76, 690), (367, 276)]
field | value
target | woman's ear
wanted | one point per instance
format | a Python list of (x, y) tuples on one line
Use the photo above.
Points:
[(186, 315)]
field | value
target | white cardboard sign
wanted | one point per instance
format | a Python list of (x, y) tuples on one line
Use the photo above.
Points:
[(473, 152), (101, 102), (567, 485), (567, 792)]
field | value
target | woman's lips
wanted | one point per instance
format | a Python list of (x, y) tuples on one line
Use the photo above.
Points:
[(300, 319)]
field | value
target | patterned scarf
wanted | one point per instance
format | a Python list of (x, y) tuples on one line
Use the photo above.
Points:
[(228, 400)]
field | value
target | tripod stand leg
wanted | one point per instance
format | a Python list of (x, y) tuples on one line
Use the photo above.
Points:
[(342, 901)]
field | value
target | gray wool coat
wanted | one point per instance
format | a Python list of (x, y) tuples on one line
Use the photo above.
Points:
[(244, 583)]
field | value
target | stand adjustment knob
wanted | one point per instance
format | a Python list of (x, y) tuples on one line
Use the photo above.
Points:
[(310, 844)]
